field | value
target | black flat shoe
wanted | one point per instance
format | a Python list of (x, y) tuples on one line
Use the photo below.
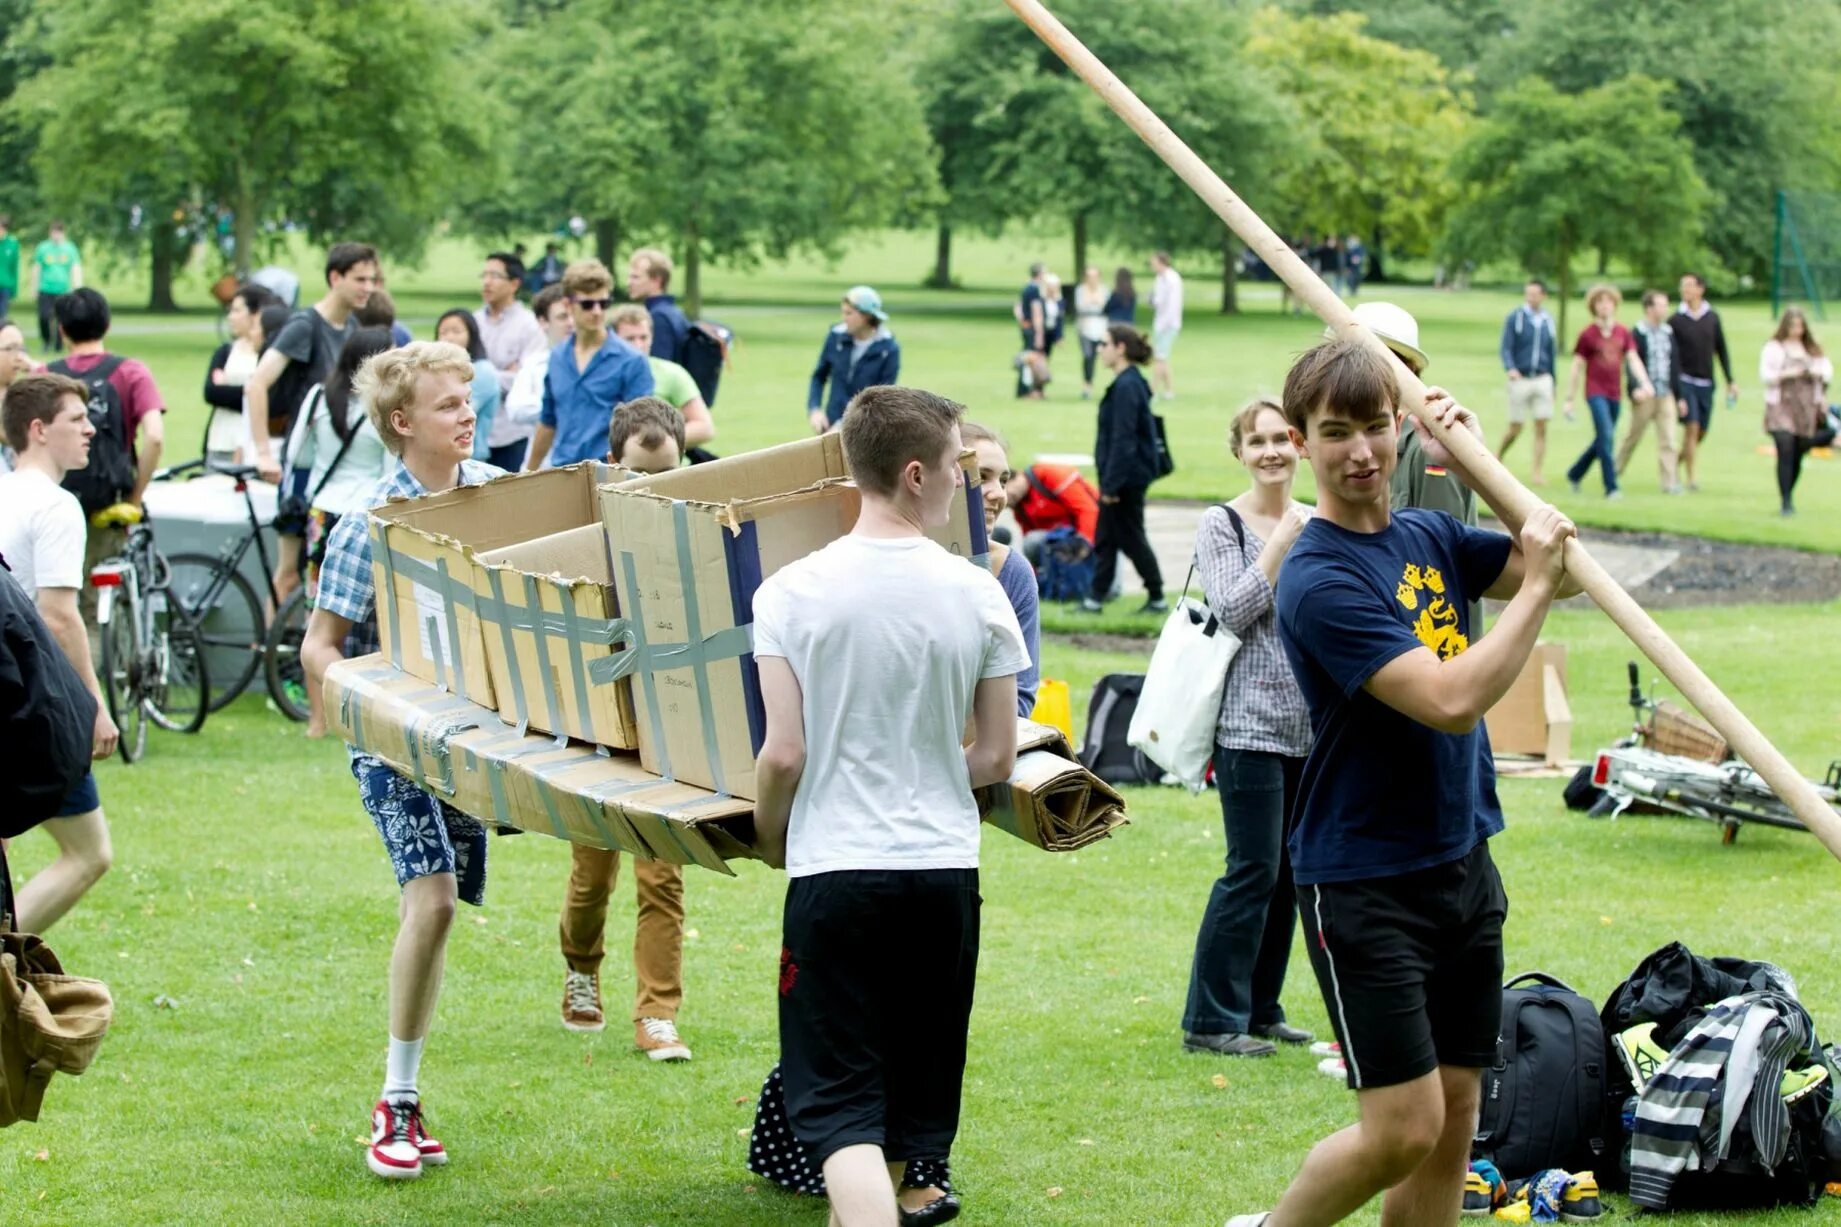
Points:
[(942, 1209)]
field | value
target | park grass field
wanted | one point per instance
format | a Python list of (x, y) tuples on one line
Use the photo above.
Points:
[(246, 927)]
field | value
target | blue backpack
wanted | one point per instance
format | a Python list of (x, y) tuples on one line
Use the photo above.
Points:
[(1067, 565)]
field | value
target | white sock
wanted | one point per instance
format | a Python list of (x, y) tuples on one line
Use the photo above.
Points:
[(400, 1070)]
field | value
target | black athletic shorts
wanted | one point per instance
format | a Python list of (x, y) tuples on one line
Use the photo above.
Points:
[(876, 975), (1696, 405), (1411, 967)]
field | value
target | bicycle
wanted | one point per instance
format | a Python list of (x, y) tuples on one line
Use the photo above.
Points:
[(153, 662)]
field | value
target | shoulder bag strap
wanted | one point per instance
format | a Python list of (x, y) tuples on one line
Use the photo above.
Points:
[(345, 445), (1240, 535)]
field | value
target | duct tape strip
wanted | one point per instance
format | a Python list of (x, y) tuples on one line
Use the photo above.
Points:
[(552, 702), (431, 639), (693, 634), (426, 737), (742, 551), (381, 552), (511, 652), (452, 596)]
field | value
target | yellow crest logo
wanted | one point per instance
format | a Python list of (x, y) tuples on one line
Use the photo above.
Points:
[(1422, 592)]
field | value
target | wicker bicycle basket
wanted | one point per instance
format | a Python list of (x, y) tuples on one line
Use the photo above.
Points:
[(1675, 730)]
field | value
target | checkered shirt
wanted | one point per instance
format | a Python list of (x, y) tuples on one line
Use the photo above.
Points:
[(345, 576)]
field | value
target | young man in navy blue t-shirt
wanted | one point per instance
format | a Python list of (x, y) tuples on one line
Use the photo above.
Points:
[(1402, 906)]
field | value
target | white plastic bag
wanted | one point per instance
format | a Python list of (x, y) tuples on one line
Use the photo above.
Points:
[(1180, 704)]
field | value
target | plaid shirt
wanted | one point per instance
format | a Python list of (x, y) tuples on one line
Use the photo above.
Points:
[(345, 576), (1262, 707)]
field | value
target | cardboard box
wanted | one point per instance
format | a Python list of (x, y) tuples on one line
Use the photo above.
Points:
[(461, 753), (1051, 802), (501, 593), (691, 547), (1534, 717)]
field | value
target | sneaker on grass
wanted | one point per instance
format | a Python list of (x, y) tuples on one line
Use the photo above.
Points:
[(1479, 1196), (582, 1001), (658, 1038), (1250, 1220), (1334, 1067), (400, 1145), (1326, 1048), (1580, 1202)]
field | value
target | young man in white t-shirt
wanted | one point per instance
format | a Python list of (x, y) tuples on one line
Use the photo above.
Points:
[(43, 536), (1166, 321), (874, 653)]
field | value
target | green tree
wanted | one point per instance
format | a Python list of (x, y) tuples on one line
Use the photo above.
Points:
[(1461, 33), (1376, 125), (1551, 175), (342, 117)]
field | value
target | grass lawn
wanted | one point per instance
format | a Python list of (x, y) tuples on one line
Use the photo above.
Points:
[(249, 891), (960, 343)]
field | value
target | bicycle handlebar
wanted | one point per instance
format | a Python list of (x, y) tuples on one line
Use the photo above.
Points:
[(179, 470), (242, 472)]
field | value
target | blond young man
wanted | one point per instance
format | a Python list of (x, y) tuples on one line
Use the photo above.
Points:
[(420, 403), (587, 376), (1402, 906), (647, 436), (633, 324), (42, 531), (648, 278)]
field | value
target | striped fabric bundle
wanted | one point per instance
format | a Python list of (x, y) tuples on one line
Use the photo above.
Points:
[(1688, 1112)]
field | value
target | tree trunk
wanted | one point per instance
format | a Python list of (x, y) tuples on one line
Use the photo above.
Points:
[(942, 259), (693, 271), (1566, 298), (1230, 273), (243, 231), (607, 240), (1080, 248), (1604, 261), (164, 246)]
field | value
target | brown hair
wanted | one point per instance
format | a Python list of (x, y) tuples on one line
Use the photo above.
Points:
[(1248, 416), (1782, 333), (657, 265), (1599, 291), (386, 383), (651, 418), (546, 298), (629, 313), (37, 398), (884, 428), (1342, 374), (1650, 296), (379, 310), (585, 277), (1137, 349)]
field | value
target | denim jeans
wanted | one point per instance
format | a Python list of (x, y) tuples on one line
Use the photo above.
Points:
[(1245, 941), (1602, 448)]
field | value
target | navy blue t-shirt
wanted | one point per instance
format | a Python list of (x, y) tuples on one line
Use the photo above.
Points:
[(1382, 794)]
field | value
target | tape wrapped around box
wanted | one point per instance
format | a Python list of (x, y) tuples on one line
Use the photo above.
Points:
[(460, 752)]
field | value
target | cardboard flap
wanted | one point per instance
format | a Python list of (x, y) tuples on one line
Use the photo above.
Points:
[(573, 556)]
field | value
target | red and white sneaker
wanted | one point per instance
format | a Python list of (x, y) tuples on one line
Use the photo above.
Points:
[(397, 1138), (1326, 1048), (434, 1154)]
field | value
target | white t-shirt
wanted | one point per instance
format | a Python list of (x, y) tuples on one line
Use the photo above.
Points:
[(1167, 300), (888, 638), (42, 531)]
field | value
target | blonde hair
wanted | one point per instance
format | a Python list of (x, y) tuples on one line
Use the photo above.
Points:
[(586, 276), (1248, 416), (656, 264), (972, 434), (386, 383), (1599, 291), (629, 313)]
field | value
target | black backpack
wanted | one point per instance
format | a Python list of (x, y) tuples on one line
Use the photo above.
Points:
[(109, 476), (1543, 1099), (705, 349), (1106, 753)]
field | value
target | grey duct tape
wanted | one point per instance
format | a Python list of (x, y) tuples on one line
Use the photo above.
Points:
[(431, 637), (450, 597), (636, 618), (511, 651), (551, 701), (693, 643), (427, 737), (381, 552)]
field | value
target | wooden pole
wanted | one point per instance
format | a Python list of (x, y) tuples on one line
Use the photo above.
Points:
[(1498, 483)]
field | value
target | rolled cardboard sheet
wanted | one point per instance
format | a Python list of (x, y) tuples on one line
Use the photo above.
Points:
[(466, 755)]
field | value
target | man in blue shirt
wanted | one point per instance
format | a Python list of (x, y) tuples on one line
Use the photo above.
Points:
[(1402, 906), (589, 376), (648, 276), (1527, 356)]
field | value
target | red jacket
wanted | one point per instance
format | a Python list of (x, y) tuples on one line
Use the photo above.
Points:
[(1071, 499)]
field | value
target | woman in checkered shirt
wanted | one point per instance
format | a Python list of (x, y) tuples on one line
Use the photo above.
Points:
[(1264, 732)]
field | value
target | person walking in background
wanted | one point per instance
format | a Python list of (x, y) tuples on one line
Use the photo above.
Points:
[(588, 377), (232, 365), (1122, 303), (648, 277), (57, 269), (1032, 320), (458, 327), (512, 337), (1699, 338), (859, 352), (1054, 321), (549, 270), (1126, 453), (1795, 374), (1244, 945), (1166, 320), (524, 403), (1601, 354), (1655, 346), (1355, 263), (1089, 324), (671, 383), (9, 266), (1528, 349)]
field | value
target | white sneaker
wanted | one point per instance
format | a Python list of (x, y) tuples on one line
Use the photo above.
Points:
[(1333, 1067), (1250, 1220), (1326, 1048), (658, 1038)]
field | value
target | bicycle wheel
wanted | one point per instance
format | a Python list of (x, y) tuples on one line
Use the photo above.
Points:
[(232, 628), (121, 676), (177, 689), (281, 663)]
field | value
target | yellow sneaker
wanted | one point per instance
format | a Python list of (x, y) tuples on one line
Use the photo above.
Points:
[(1641, 1055), (1581, 1204), (116, 514), (1799, 1082)]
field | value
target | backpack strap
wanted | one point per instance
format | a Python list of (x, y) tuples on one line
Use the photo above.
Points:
[(8, 912), (345, 445)]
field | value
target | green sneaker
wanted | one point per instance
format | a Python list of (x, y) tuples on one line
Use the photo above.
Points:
[(1642, 1056), (1799, 1082)]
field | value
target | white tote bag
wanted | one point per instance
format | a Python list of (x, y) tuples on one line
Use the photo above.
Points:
[(1180, 703)]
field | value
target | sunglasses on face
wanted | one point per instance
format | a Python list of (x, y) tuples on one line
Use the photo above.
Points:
[(592, 304)]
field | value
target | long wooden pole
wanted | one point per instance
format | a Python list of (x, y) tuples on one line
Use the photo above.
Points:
[(1498, 483)]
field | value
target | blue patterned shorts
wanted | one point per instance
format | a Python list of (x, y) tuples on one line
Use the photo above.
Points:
[(423, 834)]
